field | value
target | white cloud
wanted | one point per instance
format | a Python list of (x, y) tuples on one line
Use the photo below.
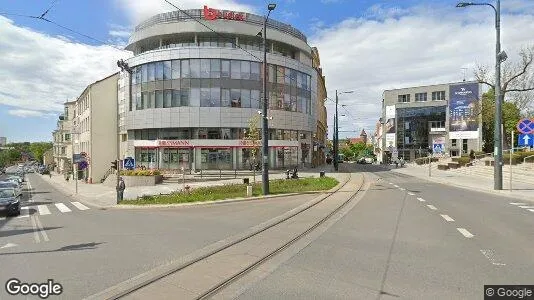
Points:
[(422, 45), (44, 71), (24, 113), (142, 9)]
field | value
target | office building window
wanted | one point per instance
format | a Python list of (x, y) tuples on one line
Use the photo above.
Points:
[(420, 96), (438, 96), (404, 98)]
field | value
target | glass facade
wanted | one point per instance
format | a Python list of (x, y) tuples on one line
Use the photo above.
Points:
[(413, 128), (218, 83), (204, 133)]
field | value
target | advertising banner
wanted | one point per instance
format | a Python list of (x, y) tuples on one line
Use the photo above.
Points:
[(464, 108), (438, 145), (390, 126)]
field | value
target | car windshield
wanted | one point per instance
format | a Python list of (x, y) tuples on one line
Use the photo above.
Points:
[(7, 193)]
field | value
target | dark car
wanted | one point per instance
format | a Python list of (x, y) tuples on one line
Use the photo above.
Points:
[(9, 201)]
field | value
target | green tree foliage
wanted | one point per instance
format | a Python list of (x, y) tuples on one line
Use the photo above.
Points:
[(38, 150), (511, 115), (17, 150), (357, 150)]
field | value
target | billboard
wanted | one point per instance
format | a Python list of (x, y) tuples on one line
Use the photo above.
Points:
[(390, 126), (464, 111)]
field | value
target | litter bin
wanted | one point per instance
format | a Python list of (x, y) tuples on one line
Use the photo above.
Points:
[(321, 174), (245, 181)]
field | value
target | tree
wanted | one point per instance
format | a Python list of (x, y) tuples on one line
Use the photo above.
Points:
[(511, 116), (253, 136), (516, 79), (9, 157), (38, 150)]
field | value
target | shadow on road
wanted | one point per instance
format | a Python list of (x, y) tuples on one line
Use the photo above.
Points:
[(13, 232), (76, 247)]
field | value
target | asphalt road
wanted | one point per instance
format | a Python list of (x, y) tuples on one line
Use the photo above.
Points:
[(88, 250), (447, 244)]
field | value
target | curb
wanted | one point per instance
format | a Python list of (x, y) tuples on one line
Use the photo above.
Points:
[(502, 193), (155, 274), (225, 201)]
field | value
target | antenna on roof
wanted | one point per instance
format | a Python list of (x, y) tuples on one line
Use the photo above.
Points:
[(465, 71)]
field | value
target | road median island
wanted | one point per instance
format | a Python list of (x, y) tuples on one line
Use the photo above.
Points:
[(235, 191)]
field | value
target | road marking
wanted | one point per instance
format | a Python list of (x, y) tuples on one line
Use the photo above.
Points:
[(43, 210), (62, 207), (421, 199), (80, 206), (432, 207), (517, 203), (41, 229), (391, 183), (490, 255), (466, 233), (396, 186), (411, 194), (2, 218), (22, 214), (526, 206), (8, 245), (35, 233), (402, 189), (447, 218), (532, 210)]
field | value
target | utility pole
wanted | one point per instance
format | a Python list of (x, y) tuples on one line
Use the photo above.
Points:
[(125, 68), (498, 103), (336, 136), (265, 124)]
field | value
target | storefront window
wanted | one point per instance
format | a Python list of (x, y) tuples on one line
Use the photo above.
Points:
[(216, 159)]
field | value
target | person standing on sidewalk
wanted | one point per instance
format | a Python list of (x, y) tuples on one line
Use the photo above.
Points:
[(120, 189)]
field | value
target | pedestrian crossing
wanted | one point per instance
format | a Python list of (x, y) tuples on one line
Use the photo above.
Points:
[(525, 206), (49, 209)]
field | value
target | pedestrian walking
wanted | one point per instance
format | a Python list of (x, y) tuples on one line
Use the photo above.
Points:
[(120, 189)]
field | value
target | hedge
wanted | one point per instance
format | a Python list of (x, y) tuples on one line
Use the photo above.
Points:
[(140, 173)]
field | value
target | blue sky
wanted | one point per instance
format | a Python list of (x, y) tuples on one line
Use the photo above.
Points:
[(365, 45)]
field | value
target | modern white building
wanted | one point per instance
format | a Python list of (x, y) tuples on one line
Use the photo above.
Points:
[(443, 118), (193, 92)]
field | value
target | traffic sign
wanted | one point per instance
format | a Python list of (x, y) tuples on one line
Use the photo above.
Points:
[(525, 140), (438, 148), (129, 163), (525, 126)]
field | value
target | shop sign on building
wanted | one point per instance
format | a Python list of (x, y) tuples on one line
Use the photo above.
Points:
[(173, 143), (211, 14)]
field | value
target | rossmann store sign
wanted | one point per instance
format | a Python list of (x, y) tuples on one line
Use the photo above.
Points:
[(211, 14)]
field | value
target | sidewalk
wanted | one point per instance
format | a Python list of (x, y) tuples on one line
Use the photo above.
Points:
[(104, 196), (474, 178)]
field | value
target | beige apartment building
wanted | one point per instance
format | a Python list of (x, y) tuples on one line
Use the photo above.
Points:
[(320, 136), (62, 147), (89, 127)]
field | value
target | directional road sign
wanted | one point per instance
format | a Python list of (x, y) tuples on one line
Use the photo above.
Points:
[(526, 140), (129, 163), (525, 126)]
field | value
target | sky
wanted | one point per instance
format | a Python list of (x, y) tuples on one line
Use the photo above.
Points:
[(366, 46)]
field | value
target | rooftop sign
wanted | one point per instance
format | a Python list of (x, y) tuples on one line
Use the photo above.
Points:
[(211, 14)]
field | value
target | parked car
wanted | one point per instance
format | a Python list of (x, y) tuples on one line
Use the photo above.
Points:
[(12, 184), (9, 201)]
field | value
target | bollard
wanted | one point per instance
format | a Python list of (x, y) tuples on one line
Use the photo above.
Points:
[(321, 174), (249, 191)]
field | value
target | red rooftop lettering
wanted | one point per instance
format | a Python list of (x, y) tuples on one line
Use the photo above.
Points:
[(211, 14)]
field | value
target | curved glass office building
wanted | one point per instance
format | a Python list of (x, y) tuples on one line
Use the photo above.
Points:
[(195, 90)]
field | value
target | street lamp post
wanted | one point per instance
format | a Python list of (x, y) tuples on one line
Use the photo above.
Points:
[(125, 68), (336, 131), (499, 58), (265, 124)]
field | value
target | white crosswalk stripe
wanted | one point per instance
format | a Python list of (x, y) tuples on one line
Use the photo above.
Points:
[(80, 206), (62, 207), (43, 210)]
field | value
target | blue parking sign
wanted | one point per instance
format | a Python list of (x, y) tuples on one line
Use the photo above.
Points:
[(129, 163)]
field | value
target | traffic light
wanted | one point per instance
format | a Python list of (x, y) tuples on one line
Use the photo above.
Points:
[(114, 165)]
